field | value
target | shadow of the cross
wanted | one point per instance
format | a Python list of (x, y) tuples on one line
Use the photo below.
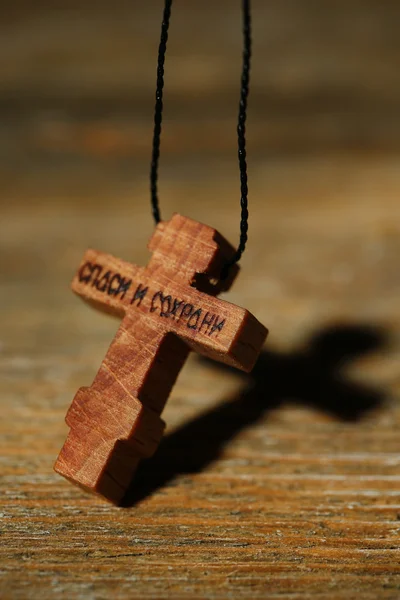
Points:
[(312, 376)]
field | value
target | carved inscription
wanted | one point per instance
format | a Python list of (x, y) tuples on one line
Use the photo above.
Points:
[(195, 318), (164, 305), (111, 283)]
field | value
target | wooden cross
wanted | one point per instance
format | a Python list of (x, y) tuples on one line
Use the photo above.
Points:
[(168, 308)]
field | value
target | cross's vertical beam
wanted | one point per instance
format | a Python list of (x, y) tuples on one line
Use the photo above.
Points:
[(118, 416)]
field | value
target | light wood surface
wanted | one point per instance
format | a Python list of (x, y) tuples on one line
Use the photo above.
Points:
[(284, 483)]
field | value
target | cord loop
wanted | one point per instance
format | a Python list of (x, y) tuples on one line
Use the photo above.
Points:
[(241, 127)]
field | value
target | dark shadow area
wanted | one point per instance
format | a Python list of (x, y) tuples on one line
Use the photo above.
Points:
[(311, 376)]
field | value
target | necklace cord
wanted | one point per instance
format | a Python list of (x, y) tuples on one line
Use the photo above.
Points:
[(241, 133), (241, 127), (155, 206)]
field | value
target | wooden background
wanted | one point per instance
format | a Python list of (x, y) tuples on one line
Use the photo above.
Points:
[(282, 484)]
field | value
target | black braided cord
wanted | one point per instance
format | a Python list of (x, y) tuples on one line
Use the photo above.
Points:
[(241, 127), (155, 208), (241, 133)]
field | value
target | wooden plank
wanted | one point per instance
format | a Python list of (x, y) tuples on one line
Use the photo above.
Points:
[(284, 483)]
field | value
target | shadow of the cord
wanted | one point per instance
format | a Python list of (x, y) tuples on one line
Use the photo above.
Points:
[(311, 376)]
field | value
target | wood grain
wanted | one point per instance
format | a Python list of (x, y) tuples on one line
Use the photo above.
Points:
[(116, 421), (280, 484)]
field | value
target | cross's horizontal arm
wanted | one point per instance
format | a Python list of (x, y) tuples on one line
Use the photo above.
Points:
[(106, 282), (212, 327)]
